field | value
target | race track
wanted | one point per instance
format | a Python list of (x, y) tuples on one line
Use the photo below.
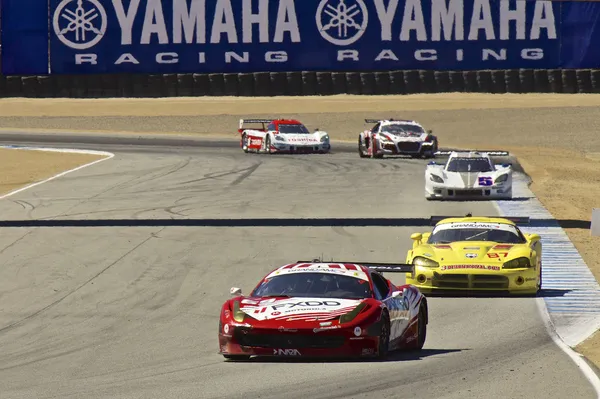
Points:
[(131, 311)]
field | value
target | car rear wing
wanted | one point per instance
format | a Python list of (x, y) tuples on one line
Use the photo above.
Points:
[(377, 266), (521, 220), (370, 121), (491, 153), (257, 121)]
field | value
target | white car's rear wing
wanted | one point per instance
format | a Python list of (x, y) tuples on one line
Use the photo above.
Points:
[(491, 153), (257, 121), (370, 121), (377, 266)]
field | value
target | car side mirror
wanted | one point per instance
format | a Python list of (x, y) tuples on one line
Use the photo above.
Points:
[(317, 129), (416, 236), (235, 291), (430, 131), (534, 237), (396, 293)]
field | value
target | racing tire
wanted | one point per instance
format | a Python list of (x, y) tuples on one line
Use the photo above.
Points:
[(539, 286), (421, 328), (268, 144), (245, 143), (384, 338), (237, 357), (361, 153)]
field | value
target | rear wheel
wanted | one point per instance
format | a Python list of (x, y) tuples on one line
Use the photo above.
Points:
[(384, 338), (245, 143)]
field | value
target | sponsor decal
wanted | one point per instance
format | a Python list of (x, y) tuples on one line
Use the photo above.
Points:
[(319, 329), (301, 308), (530, 279), (357, 331), (226, 328), (255, 142), (286, 352), (80, 24), (283, 329), (368, 351), (470, 256), (480, 267), (411, 338)]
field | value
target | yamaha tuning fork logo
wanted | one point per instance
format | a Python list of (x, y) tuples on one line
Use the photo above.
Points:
[(80, 24), (342, 22)]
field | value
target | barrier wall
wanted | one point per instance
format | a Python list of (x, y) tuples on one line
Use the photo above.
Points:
[(114, 48), (302, 83)]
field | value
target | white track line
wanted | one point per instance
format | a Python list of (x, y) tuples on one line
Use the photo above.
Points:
[(107, 155), (576, 357)]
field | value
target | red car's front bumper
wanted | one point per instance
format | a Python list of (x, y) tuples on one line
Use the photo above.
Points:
[(341, 342)]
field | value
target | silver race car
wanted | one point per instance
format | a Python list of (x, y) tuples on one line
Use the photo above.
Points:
[(396, 137), (468, 175)]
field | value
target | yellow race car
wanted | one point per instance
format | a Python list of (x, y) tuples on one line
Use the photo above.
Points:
[(476, 254)]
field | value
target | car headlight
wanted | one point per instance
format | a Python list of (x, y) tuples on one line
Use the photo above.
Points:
[(436, 179), (384, 138), (324, 139), (238, 315), (502, 178), (348, 317), (424, 262), (519, 263), (279, 138)]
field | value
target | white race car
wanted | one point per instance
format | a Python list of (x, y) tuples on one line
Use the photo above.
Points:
[(468, 175), (282, 135), (396, 137)]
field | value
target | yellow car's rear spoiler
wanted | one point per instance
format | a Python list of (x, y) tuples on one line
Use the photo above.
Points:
[(521, 220), (375, 266)]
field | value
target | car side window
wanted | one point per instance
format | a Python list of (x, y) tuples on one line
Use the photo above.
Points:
[(381, 286), (375, 128), (271, 127)]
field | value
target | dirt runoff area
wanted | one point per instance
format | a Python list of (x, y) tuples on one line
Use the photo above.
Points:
[(20, 168), (554, 136)]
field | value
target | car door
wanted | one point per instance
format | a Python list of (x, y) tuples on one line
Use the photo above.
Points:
[(396, 304)]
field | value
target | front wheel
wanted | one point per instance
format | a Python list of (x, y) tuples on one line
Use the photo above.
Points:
[(268, 144), (245, 143), (422, 328)]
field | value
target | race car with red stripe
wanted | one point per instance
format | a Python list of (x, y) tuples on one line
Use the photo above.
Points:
[(396, 137), (281, 136), (316, 309)]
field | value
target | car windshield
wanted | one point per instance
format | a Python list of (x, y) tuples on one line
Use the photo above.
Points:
[(469, 165), (293, 129), (454, 232), (314, 285), (400, 128)]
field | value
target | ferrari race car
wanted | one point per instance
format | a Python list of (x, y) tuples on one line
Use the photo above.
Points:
[(476, 254), (468, 175), (320, 310), (282, 136), (396, 137)]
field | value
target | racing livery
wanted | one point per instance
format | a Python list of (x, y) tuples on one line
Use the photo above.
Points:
[(476, 254), (396, 137), (333, 309), (468, 175), (282, 136)]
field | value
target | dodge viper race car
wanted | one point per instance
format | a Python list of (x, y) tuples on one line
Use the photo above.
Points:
[(396, 137), (476, 254), (320, 310), (282, 136), (468, 175)]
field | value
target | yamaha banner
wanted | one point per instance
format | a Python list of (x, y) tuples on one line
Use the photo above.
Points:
[(230, 36)]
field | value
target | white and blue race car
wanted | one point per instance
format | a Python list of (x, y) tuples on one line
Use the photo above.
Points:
[(468, 175)]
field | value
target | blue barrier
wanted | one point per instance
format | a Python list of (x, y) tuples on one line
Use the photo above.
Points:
[(246, 36)]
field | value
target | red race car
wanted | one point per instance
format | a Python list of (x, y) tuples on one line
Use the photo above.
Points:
[(281, 136), (320, 310)]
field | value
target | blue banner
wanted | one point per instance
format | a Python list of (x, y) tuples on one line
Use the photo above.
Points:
[(231, 36)]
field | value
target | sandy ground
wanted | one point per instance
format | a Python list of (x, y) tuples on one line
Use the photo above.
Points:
[(22, 167), (554, 136)]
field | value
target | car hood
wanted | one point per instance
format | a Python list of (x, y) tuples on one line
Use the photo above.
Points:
[(467, 179), (297, 308), (471, 252), (405, 137), (290, 138)]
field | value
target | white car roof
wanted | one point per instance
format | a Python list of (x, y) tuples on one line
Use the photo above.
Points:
[(468, 154), (398, 122)]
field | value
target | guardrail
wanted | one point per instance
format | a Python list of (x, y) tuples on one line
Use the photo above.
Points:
[(302, 83)]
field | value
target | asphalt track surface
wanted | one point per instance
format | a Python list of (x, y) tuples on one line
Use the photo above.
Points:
[(121, 306)]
